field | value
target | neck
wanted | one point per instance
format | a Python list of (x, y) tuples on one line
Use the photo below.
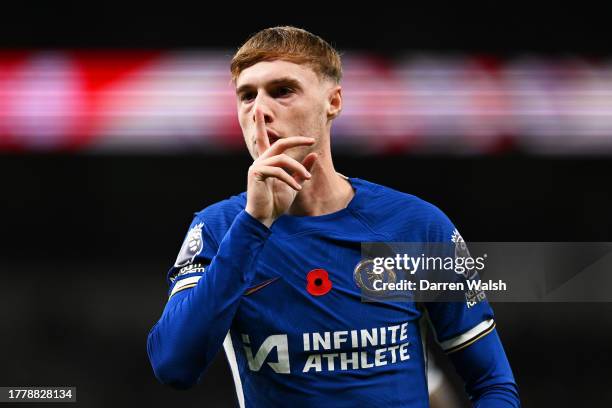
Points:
[(325, 193)]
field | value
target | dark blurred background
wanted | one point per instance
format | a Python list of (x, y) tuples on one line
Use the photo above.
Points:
[(96, 196)]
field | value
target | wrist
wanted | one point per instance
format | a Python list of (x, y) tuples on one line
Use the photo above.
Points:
[(264, 220)]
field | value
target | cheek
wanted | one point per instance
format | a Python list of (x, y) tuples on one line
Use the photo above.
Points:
[(316, 117), (242, 119), (310, 113), (245, 125)]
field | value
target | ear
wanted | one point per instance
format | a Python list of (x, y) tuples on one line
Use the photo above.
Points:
[(334, 102)]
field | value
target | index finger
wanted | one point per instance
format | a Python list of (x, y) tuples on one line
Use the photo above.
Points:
[(286, 143), (261, 135)]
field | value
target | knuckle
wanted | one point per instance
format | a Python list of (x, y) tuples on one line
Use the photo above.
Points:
[(255, 171)]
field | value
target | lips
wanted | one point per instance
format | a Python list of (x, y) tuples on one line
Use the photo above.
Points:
[(272, 137)]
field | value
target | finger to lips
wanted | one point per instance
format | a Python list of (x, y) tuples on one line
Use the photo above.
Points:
[(286, 143), (261, 135)]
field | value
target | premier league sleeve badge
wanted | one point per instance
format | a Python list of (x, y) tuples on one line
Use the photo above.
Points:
[(192, 246)]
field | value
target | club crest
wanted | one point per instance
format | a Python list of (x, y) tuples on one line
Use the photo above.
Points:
[(364, 276)]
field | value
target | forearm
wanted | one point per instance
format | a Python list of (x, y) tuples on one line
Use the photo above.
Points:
[(195, 321), (486, 371)]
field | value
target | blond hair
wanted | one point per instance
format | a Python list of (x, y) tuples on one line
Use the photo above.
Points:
[(289, 44)]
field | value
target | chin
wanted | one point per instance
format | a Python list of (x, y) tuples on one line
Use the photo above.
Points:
[(298, 153)]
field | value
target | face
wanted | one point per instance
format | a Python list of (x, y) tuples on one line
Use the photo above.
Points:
[(294, 101)]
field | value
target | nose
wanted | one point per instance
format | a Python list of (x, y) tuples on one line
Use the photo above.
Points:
[(261, 105)]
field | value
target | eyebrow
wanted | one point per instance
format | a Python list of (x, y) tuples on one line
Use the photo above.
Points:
[(275, 82)]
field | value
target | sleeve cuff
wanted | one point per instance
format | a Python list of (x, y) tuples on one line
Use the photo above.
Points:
[(251, 225)]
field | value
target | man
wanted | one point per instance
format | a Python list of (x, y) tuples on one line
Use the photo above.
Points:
[(269, 274)]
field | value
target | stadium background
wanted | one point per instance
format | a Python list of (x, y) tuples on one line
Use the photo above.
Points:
[(111, 136)]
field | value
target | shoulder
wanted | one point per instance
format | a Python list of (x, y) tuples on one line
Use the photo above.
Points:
[(403, 215), (218, 217)]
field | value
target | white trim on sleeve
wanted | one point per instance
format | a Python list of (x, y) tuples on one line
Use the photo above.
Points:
[(467, 338), (184, 282)]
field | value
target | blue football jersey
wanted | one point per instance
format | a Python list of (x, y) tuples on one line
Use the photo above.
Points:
[(286, 306)]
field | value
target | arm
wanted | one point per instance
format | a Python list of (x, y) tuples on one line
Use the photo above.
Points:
[(197, 317), (202, 305), (469, 338), (466, 332), (485, 369)]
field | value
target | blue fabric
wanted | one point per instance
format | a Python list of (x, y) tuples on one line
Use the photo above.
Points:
[(290, 346), (487, 374)]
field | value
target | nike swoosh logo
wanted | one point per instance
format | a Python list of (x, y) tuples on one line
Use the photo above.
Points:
[(260, 286)]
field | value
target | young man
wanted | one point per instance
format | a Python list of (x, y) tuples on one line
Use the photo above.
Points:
[(270, 274)]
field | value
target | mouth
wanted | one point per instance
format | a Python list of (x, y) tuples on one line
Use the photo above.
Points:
[(272, 137)]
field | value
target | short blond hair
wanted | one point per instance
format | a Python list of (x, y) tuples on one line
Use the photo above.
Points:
[(289, 44)]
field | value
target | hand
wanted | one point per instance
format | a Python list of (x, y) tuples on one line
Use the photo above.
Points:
[(270, 189)]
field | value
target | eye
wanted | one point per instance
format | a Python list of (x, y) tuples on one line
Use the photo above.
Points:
[(247, 96), (283, 91)]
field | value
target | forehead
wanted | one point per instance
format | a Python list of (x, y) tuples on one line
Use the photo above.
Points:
[(267, 71)]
